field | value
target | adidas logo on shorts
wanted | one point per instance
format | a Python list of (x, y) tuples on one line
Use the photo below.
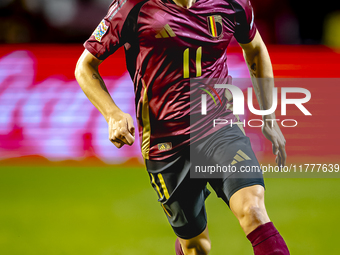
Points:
[(239, 157)]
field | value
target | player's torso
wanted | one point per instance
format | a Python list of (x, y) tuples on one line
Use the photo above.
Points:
[(176, 44)]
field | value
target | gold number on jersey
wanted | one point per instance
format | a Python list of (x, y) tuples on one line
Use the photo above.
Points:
[(186, 73)]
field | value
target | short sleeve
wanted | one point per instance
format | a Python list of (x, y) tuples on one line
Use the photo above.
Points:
[(245, 28), (107, 37)]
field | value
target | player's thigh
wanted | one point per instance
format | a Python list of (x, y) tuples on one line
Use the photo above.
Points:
[(232, 150), (182, 198)]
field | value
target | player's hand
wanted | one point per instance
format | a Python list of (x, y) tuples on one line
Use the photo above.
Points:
[(273, 133), (121, 129)]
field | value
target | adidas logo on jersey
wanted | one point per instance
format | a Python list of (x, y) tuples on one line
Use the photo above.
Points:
[(239, 157), (164, 146), (165, 32)]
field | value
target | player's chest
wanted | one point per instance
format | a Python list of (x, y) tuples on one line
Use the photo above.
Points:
[(206, 23)]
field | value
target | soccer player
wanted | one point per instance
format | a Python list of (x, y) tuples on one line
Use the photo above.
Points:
[(168, 42)]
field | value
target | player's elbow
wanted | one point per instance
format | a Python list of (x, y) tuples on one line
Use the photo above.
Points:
[(85, 65), (79, 71), (253, 51), (255, 47)]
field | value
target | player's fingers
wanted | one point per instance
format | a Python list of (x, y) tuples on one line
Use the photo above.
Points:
[(275, 146), (125, 136), (114, 138), (112, 131), (118, 144), (130, 125), (129, 138), (278, 159), (283, 155)]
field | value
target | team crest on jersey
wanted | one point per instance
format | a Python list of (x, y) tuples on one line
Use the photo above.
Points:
[(215, 25), (100, 31)]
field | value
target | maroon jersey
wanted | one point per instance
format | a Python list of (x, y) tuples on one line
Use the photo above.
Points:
[(165, 46)]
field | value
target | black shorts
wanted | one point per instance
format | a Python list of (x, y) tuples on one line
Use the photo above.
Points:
[(183, 197)]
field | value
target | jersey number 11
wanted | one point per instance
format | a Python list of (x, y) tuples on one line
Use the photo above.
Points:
[(186, 73)]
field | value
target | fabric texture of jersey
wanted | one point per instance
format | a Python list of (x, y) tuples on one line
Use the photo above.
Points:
[(165, 46)]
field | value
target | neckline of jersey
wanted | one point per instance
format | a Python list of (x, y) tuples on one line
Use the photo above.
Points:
[(173, 3)]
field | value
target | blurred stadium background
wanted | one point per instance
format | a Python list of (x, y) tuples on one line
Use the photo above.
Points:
[(65, 189)]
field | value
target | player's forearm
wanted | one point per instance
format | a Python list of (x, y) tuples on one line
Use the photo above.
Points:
[(261, 73), (95, 89)]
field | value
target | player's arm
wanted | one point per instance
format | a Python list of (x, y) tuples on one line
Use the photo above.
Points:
[(121, 128), (261, 72)]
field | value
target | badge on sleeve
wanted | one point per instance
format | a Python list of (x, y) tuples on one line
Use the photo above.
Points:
[(100, 31)]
